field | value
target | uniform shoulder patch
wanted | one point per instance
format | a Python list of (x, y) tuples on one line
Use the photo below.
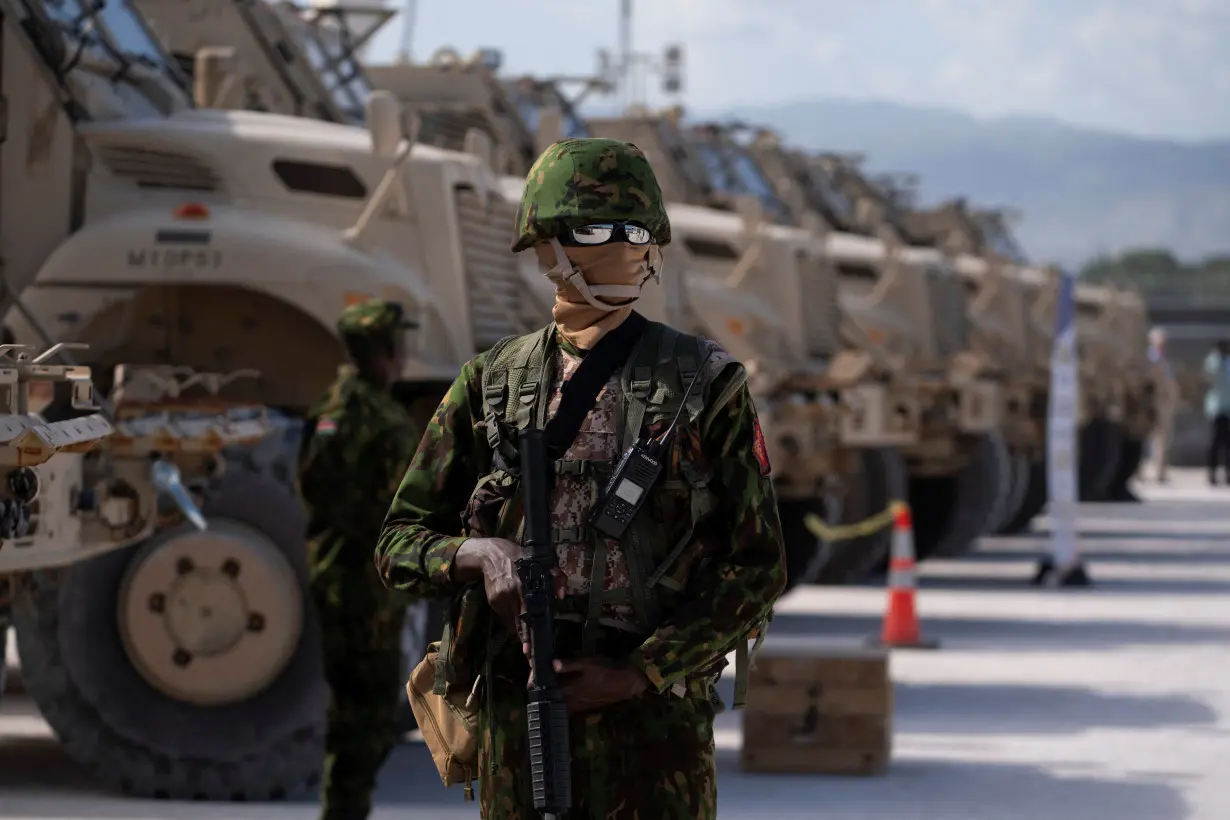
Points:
[(759, 450), (326, 427)]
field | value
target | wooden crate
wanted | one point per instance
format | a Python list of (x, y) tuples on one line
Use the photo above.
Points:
[(818, 709)]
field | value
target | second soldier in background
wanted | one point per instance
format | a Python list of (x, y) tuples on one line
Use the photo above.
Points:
[(357, 443)]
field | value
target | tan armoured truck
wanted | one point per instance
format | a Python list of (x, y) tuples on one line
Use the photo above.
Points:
[(1113, 329), (981, 338), (1012, 322), (1116, 390), (906, 306), (222, 241)]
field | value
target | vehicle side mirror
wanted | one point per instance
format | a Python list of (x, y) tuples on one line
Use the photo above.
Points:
[(383, 114)]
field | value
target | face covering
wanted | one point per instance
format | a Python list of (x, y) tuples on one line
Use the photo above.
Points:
[(596, 285)]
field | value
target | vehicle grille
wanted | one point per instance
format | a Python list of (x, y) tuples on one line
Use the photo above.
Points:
[(153, 168), (821, 311), (492, 277)]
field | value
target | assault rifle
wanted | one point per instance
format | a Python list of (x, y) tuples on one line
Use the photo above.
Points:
[(550, 760)]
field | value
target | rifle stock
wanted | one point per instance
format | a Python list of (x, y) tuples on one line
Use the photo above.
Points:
[(550, 759)]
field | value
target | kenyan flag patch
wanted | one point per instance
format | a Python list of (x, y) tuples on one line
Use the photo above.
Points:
[(326, 427), (759, 449)]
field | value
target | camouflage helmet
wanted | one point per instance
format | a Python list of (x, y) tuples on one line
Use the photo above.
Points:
[(373, 317), (579, 181)]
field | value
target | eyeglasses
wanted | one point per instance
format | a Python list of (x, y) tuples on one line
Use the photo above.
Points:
[(600, 233)]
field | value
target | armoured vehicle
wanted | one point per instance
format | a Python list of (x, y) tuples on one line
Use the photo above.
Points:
[(1012, 320), (223, 241), (898, 304), (982, 336), (1117, 389)]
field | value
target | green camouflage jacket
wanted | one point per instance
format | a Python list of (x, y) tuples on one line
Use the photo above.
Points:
[(725, 598), (357, 443)]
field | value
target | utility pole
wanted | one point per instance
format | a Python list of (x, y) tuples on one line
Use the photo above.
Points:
[(625, 53), (409, 14)]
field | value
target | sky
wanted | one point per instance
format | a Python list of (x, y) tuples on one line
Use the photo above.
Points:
[(1145, 67)]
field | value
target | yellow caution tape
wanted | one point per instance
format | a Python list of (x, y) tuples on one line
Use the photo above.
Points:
[(859, 529)]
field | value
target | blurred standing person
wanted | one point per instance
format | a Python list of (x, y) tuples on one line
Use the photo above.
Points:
[(1217, 408), (357, 443), (1166, 393)]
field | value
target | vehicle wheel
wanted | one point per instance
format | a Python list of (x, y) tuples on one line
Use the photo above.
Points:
[(1007, 476), (1021, 468), (4, 664), (880, 481), (801, 544), (188, 667), (1099, 446), (977, 490), (1036, 499), (1131, 454)]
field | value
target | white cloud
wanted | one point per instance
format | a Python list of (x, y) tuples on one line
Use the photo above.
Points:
[(1140, 65)]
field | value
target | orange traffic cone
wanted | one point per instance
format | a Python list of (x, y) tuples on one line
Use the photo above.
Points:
[(901, 629)]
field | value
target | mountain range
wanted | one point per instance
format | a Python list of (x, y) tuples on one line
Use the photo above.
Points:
[(1081, 192)]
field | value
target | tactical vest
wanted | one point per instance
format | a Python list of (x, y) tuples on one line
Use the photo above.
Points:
[(516, 385)]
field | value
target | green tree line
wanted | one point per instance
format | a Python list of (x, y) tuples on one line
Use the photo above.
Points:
[(1157, 269)]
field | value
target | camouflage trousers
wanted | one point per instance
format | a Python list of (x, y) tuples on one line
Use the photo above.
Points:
[(362, 649), (647, 758)]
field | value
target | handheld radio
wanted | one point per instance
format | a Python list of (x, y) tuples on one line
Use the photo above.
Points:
[(635, 474)]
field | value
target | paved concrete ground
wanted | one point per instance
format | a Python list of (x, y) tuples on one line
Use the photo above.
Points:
[(1108, 703)]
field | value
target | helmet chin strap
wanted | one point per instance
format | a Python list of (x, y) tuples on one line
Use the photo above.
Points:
[(566, 273)]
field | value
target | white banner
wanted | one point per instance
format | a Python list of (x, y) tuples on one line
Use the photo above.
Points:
[(1061, 429)]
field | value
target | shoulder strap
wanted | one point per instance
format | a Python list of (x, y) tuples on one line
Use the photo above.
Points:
[(637, 379), (580, 392), (745, 659), (508, 356)]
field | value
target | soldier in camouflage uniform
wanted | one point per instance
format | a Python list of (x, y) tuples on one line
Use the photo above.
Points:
[(357, 443), (644, 623)]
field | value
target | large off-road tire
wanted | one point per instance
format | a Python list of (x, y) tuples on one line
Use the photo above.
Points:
[(1036, 499), (81, 655), (1019, 489), (1131, 454), (973, 496), (4, 666), (801, 544), (1007, 477), (1099, 443), (881, 480), (1019, 486)]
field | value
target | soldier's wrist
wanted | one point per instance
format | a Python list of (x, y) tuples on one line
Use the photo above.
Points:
[(471, 561)]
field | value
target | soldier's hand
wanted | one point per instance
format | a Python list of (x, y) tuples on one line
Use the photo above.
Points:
[(495, 560), (595, 683)]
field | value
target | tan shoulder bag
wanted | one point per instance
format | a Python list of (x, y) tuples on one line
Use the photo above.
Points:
[(449, 723)]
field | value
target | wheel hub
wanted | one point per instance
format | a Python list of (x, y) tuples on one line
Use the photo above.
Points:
[(210, 617), (207, 614)]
